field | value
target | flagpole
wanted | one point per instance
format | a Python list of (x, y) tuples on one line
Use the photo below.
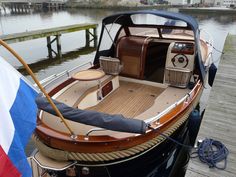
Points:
[(4, 44)]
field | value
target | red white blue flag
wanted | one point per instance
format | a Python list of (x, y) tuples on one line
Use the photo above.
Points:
[(17, 121)]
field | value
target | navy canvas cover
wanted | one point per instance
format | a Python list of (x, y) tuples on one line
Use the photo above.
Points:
[(115, 122), (124, 19)]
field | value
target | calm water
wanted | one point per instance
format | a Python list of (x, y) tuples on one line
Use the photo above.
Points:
[(35, 51)]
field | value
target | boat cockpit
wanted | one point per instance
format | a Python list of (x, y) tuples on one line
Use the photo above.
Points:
[(146, 79), (147, 69)]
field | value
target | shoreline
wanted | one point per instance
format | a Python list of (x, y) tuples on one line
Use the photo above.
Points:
[(181, 8), (103, 6), (202, 10)]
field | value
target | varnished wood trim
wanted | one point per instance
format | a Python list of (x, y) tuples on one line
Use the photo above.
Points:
[(106, 143)]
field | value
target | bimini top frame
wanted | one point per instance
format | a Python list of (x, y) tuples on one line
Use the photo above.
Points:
[(125, 20)]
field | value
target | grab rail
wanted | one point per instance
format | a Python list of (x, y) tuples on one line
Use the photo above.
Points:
[(52, 80), (93, 130)]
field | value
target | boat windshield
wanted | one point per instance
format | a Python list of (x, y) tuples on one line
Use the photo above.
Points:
[(156, 26), (150, 19), (166, 33)]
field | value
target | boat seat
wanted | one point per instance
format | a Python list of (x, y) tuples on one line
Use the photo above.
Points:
[(72, 95), (74, 92), (131, 51), (171, 95), (179, 65)]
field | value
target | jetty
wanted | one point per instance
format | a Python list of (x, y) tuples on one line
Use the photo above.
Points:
[(219, 120), (53, 35), (24, 6)]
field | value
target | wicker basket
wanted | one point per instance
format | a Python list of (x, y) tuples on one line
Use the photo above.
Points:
[(110, 65), (178, 77)]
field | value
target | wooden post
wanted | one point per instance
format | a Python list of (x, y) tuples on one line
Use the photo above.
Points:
[(59, 45), (87, 37), (14, 7), (49, 46), (95, 37)]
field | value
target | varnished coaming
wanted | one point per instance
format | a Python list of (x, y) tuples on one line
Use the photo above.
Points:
[(103, 143), (61, 86)]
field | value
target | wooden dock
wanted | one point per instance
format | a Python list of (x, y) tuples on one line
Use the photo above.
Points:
[(56, 33), (219, 121), (24, 6)]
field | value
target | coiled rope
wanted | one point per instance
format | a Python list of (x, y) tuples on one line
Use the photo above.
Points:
[(209, 151), (212, 152)]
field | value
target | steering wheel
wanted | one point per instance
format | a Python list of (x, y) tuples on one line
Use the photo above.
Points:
[(180, 60)]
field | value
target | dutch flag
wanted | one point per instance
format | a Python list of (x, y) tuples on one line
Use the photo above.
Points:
[(17, 121)]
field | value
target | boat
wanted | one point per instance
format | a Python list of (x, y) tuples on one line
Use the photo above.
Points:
[(147, 77)]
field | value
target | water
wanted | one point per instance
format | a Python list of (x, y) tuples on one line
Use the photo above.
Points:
[(35, 51), (74, 52)]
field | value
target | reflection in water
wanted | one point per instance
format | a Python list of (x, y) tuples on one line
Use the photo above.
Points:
[(43, 64), (221, 19)]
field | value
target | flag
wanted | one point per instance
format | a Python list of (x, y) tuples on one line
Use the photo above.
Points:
[(17, 121)]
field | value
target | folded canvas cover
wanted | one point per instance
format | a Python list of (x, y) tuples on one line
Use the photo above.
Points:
[(116, 122)]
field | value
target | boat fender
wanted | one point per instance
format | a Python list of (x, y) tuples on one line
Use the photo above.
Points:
[(191, 85), (194, 125), (212, 74)]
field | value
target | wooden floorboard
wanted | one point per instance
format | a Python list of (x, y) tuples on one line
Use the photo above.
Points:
[(130, 99), (219, 121)]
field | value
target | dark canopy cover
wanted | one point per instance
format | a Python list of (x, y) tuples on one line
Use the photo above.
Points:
[(111, 122), (124, 19)]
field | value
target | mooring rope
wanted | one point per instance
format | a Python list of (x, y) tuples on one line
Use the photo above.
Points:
[(176, 141), (220, 51), (209, 151)]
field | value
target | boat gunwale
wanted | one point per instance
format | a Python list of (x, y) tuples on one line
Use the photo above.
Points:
[(88, 142)]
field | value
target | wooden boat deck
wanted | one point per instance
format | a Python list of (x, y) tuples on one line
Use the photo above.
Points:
[(130, 99), (219, 120)]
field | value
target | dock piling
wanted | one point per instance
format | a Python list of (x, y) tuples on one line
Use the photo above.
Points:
[(49, 46), (88, 33), (50, 49), (58, 37), (95, 37), (87, 37)]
